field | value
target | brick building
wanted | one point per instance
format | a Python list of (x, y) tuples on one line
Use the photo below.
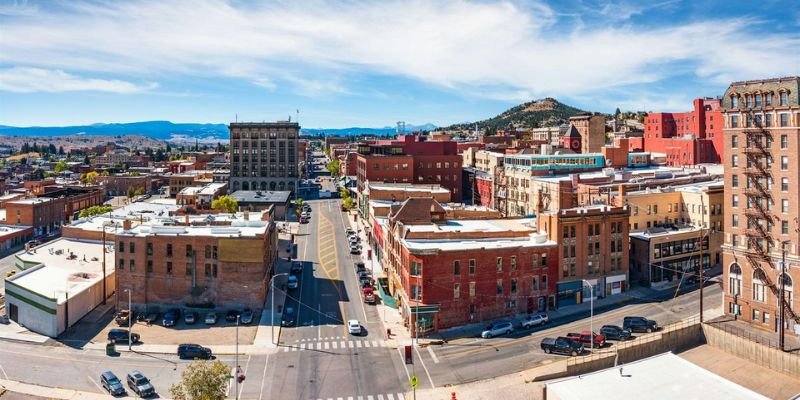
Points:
[(225, 265), (45, 215), (118, 185), (446, 272), (76, 198), (592, 129), (264, 156), (593, 246), (762, 168), (687, 138)]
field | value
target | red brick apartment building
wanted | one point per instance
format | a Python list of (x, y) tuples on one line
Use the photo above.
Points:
[(410, 159), (600, 256), (762, 201), (118, 185), (687, 138), (445, 272), (197, 264)]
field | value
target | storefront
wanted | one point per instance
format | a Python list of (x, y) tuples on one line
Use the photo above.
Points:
[(616, 284), (569, 293)]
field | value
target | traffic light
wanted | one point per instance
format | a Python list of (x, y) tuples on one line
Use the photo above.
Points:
[(409, 358)]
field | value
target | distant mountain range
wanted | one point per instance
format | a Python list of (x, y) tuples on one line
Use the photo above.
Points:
[(533, 114), (165, 130)]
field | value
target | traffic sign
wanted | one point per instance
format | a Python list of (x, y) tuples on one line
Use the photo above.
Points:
[(413, 381)]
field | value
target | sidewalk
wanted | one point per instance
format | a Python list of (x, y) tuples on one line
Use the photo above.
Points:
[(46, 392), (266, 330), (16, 332)]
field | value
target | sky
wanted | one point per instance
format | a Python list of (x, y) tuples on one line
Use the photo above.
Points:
[(373, 63)]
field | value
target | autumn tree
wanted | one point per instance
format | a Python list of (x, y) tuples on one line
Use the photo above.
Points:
[(202, 380), (225, 203)]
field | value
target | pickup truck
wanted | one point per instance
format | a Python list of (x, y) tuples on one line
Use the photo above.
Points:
[(562, 345), (368, 294), (585, 337)]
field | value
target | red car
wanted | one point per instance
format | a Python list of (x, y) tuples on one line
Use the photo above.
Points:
[(585, 337)]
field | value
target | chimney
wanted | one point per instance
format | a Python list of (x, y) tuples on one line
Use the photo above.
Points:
[(127, 224), (186, 219), (623, 190), (246, 215)]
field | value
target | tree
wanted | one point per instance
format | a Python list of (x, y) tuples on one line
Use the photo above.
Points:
[(86, 160), (61, 166), (348, 203), (202, 380), (94, 210), (61, 150), (89, 177), (169, 149), (298, 206), (618, 114), (138, 192), (225, 203), (333, 167)]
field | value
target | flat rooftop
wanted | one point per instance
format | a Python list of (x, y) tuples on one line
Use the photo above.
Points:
[(70, 265), (534, 239), (203, 225), (11, 229), (257, 196), (665, 376), (212, 188), (650, 233), (190, 190), (408, 187)]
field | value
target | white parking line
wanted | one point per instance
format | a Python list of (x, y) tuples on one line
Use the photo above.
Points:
[(424, 367), (103, 391), (264, 376), (5, 376), (433, 355)]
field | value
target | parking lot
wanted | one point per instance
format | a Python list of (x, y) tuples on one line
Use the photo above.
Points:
[(221, 333)]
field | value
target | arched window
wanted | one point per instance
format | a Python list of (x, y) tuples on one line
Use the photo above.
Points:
[(788, 292), (759, 287), (272, 185), (245, 186), (735, 280)]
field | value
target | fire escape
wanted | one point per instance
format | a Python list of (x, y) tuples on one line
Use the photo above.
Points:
[(759, 198), (501, 191)]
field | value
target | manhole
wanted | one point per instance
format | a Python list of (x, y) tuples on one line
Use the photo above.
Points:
[(290, 366)]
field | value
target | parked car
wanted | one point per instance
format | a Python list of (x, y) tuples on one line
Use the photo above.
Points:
[(288, 317), (363, 274), (355, 249), (639, 324), (123, 317), (349, 231), (193, 351), (121, 336), (498, 329), (140, 384), (231, 315), (291, 283), (365, 282), (354, 327), (613, 332), (586, 337), (171, 317), (359, 266), (561, 345), (297, 267), (111, 383), (535, 320), (151, 318), (303, 220), (247, 317), (211, 318), (190, 318)]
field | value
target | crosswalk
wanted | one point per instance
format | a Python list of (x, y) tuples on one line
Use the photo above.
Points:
[(333, 343), (386, 396)]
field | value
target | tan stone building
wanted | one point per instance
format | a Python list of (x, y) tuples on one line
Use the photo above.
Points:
[(762, 168), (592, 128), (264, 156)]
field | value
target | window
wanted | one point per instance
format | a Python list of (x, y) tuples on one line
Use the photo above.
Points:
[(189, 251), (735, 280), (207, 252), (416, 268), (758, 100), (735, 200), (472, 266), (768, 120), (514, 286), (768, 99), (784, 141), (543, 283), (784, 162), (734, 220), (214, 270), (535, 284), (188, 269), (734, 180), (544, 261), (756, 316), (149, 249), (456, 290), (784, 118), (734, 124), (734, 161), (472, 289), (784, 184), (149, 265), (759, 289), (734, 240), (121, 247), (208, 270), (513, 263), (169, 267), (499, 287), (456, 267), (734, 101), (131, 246), (169, 250), (133, 265), (214, 252), (416, 292), (784, 227), (784, 206), (121, 264), (784, 98), (499, 264)]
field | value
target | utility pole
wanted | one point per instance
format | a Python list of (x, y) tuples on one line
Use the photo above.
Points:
[(781, 314), (702, 238), (104, 264)]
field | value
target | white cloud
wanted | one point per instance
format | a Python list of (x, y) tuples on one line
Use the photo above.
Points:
[(493, 50), (28, 80)]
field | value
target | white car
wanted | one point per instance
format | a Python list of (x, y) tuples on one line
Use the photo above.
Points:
[(535, 320), (354, 327)]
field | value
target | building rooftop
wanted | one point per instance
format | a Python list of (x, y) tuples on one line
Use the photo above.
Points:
[(257, 196), (211, 188), (11, 229), (69, 266), (217, 225), (407, 187), (664, 376), (190, 190), (660, 231)]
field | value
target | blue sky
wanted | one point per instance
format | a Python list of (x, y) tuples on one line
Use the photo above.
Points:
[(372, 63)]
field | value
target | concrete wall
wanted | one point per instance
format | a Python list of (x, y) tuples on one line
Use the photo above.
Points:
[(769, 357)]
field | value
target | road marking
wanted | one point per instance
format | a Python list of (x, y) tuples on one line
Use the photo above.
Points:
[(370, 397), (433, 355), (403, 360), (366, 343), (400, 396), (390, 396), (424, 367), (380, 397), (351, 344), (103, 391), (319, 346), (246, 366), (5, 376), (327, 345), (335, 345)]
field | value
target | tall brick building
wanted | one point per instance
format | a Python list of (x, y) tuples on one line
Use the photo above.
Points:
[(264, 156), (762, 168), (592, 128), (687, 138), (224, 263)]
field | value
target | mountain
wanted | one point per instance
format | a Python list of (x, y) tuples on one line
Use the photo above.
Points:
[(357, 131), (161, 130), (533, 114)]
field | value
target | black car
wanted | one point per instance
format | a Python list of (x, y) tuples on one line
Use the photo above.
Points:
[(121, 336), (288, 317), (639, 324), (613, 332), (140, 384), (359, 266), (171, 317), (562, 345), (247, 317), (110, 382), (193, 351), (297, 267), (231, 315)]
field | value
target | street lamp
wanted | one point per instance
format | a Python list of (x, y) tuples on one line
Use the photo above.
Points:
[(591, 314), (130, 319), (272, 314), (236, 374)]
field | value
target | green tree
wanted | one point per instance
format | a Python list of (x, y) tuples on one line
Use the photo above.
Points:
[(348, 203), (94, 210), (298, 206), (333, 167), (61, 166), (89, 177), (202, 380), (225, 203), (138, 192), (86, 160), (61, 150)]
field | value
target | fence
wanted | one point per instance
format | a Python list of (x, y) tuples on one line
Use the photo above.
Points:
[(753, 347)]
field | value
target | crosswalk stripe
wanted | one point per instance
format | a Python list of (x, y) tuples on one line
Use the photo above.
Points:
[(366, 343), (349, 397), (370, 397), (390, 396), (285, 349), (400, 396), (319, 345), (380, 397), (338, 398), (334, 344), (350, 344), (360, 397), (327, 345)]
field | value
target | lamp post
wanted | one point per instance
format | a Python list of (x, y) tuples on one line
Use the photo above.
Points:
[(130, 320), (591, 314), (272, 314), (236, 375)]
